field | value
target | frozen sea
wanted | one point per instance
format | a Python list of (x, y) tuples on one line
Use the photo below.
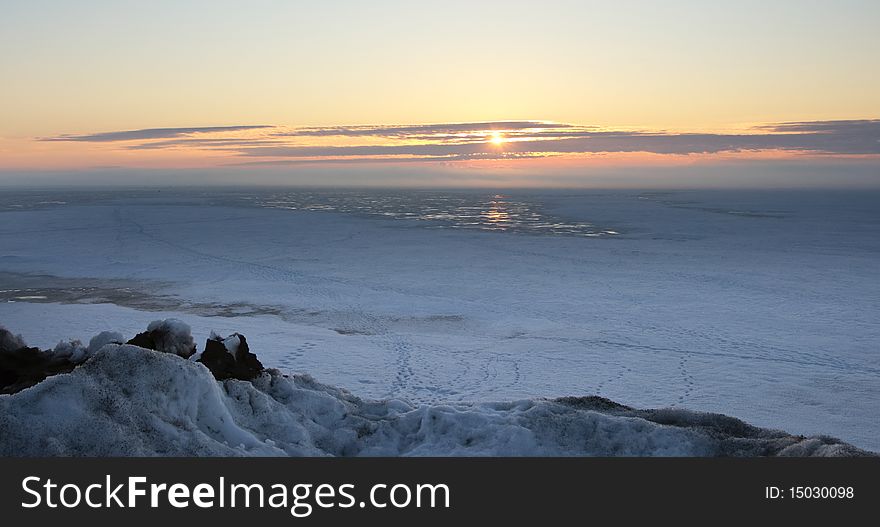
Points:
[(762, 305)]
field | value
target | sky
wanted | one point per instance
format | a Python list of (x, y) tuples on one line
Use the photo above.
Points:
[(550, 93)]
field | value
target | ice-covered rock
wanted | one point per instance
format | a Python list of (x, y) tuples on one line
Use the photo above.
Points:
[(129, 401), (22, 366), (230, 358), (72, 350), (10, 341), (169, 336)]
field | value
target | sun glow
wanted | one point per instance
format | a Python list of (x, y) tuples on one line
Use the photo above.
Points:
[(497, 138)]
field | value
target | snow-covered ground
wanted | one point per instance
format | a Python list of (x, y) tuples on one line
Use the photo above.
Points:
[(760, 305), (129, 401)]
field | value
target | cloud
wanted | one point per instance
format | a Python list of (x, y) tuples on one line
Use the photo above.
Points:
[(385, 159), (213, 143), (832, 142), (860, 126), (424, 130), (149, 133), (473, 140)]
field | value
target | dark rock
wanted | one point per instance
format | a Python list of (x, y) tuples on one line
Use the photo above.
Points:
[(224, 363), (143, 340), (9, 341), (218, 359), (22, 366), (593, 402)]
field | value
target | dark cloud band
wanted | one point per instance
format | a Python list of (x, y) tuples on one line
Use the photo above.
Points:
[(462, 141), (150, 133), (423, 129)]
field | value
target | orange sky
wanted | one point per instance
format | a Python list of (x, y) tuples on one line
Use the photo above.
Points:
[(697, 77)]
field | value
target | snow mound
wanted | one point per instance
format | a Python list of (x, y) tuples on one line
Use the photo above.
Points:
[(103, 338), (71, 350), (128, 401)]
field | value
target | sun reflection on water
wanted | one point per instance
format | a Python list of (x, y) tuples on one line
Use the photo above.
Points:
[(497, 215), (441, 211)]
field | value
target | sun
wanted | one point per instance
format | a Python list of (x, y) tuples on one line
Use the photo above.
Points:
[(497, 138)]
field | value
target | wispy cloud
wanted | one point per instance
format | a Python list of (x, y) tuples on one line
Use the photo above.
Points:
[(542, 138), (487, 140), (424, 130), (215, 143), (859, 126), (149, 133)]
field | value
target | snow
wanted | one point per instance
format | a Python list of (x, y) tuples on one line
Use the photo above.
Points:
[(73, 350), (760, 305), (232, 343), (128, 401), (103, 338)]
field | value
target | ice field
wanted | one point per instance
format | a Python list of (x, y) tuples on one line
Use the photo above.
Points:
[(760, 305)]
